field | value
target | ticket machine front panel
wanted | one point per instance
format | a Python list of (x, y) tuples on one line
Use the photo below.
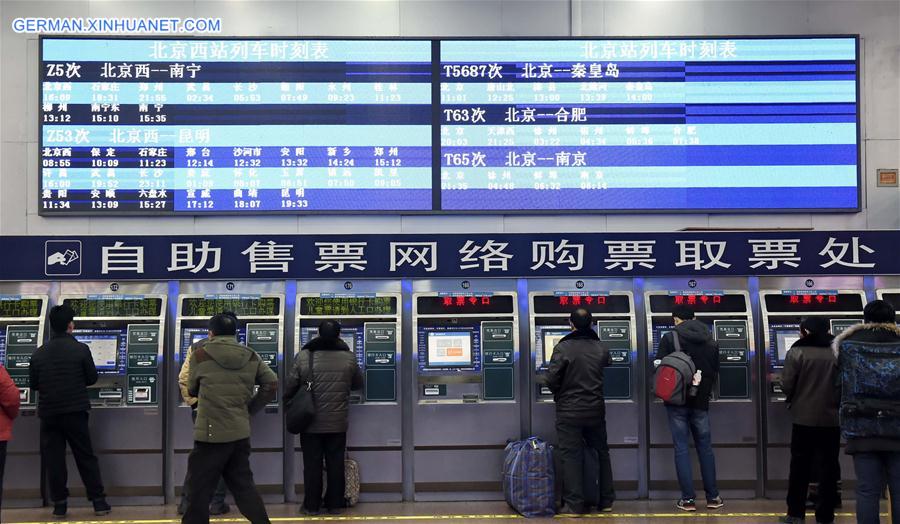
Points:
[(260, 312), (782, 312), (465, 385), (733, 414), (614, 322), (22, 316), (370, 325), (125, 332), (891, 296)]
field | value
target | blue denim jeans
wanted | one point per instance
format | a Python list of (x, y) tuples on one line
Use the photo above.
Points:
[(683, 422), (872, 471)]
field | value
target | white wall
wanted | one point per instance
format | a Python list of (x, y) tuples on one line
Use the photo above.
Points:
[(878, 21)]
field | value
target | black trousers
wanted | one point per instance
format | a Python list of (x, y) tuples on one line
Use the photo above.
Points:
[(206, 464), (573, 436), (814, 445), (2, 468), (331, 447), (71, 429), (218, 499)]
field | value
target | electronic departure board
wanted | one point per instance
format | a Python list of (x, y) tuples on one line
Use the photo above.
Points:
[(20, 307), (200, 126), (348, 306), (213, 126), (105, 306), (652, 124), (242, 306)]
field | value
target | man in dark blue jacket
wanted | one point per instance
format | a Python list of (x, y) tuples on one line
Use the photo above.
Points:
[(870, 407), (61, 371), (575, 376)]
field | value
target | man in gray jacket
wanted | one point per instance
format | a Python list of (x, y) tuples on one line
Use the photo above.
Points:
[(809, 381), (335, 374)]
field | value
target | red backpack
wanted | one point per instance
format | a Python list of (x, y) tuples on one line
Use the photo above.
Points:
[(674, 376)]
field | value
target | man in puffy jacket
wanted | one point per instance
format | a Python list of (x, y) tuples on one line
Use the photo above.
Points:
[(575, 376), (61, 371), (9, 410), (870, 407), (809, 382), (218, 506), (222, 376), (694, 339), (335, 374)]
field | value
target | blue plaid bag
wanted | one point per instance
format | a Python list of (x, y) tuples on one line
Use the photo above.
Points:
[(528, 478), (870, 396)]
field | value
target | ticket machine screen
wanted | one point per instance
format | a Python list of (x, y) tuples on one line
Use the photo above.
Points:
[(106, 349), (450, 349), (550, 340), (197, 337), (783, 342), (352, 336)]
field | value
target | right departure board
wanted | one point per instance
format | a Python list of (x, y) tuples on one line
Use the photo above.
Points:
[(667, 124)]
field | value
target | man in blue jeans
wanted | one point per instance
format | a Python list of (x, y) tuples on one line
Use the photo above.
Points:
[(694, 338), (870, 407)]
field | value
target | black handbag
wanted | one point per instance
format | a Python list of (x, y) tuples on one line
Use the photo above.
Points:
[(301, 411)]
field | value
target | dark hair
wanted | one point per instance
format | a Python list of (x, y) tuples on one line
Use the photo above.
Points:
[(815, 325), (683, 312), (60, 317), (879, 312), (581, 319), (330, 329), (225, 323)]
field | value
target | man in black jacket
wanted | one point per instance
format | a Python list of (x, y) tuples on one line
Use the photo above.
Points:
[(809, 381), (575, 376), (694, 339), (335, 374), (876, 455), (61, 371)]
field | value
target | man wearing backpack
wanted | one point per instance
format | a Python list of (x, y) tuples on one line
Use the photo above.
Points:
[(869, 364), (575, 376), (693, 338)]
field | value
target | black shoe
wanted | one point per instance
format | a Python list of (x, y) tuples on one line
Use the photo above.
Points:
[(309, 512), (568, 510), (182, 506), (335, 511), (715, 503), (606, 508), (101, 508), (219, 509), (686, 505), (787, 519), (60, 509)]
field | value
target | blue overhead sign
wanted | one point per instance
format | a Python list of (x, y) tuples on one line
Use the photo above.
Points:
[(274, 257)]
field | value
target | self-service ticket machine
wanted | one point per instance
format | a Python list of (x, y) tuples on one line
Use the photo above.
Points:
[(724, 305), (260, 311), (23, 310), (370, 325), (888, 289), (784, 303), (465, 340), (611, 303), (124, 330)]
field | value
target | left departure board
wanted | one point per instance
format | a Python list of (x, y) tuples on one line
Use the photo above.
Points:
[(20, 307), (114, 306), (196, 126)]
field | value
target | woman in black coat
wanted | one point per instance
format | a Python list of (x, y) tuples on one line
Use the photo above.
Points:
[(335, 374)]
